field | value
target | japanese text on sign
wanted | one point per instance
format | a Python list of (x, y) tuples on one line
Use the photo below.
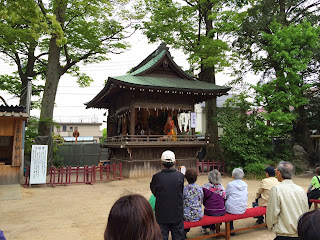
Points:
[(38, 168), (193, 120)]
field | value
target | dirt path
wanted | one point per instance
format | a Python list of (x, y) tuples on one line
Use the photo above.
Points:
[(80, 212)]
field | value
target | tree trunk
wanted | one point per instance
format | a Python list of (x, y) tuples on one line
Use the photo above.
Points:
[(28, 73), (207, 74), (301, 131), (214, 150), (53, 75), (23, 93)]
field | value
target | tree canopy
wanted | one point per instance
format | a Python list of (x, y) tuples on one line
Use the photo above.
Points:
[(280, 39), (49, 38), (196, 28)]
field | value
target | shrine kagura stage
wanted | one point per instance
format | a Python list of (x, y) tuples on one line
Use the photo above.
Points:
[(143, 108)]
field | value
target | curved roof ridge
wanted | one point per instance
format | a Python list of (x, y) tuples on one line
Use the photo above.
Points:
[(153, 61)]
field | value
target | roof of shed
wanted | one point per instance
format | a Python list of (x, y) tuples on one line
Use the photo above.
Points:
[(13, 111)]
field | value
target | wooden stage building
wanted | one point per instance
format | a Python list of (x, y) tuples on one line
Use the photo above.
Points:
[(142, 114)]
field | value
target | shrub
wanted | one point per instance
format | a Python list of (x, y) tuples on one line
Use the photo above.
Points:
[(245, 141), (255, 170)]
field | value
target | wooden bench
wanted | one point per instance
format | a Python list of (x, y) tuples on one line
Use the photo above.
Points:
[(315, 201), (208, 220)]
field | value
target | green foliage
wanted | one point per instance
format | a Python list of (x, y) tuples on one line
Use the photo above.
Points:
[(290, 49), (194, 27), (84, 31), (255, 170), (314, 109), (104, 135), (9, 83), (30, 134), (57, 161), (57, 141), (245, 141)]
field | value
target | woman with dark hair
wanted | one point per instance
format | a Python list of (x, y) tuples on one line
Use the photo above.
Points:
[(308, 226), (192, 198), (131, 218), (315, 183)]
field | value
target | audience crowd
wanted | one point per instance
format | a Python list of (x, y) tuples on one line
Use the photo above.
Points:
[(172, 203)]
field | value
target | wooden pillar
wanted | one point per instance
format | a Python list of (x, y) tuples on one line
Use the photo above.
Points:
[(112, 122), (17, 141), (132, 120)]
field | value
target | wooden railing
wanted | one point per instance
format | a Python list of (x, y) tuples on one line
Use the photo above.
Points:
[(157, 138), (204, 167), (75, 175)]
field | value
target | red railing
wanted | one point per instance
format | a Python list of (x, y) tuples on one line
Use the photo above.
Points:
[(86, 174), (205, 167)]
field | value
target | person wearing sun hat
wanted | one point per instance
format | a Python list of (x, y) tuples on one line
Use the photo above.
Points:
[(167, 187)]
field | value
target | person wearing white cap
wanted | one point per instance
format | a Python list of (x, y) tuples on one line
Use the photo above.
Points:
[(167, 187)]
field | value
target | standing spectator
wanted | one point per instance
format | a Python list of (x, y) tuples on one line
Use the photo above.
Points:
[(131, 218), (315, 183), (237, 195), (167, 187), (308, 226), (263, 193), (287, 202), (192, 198), (214, 198), (152, 201)]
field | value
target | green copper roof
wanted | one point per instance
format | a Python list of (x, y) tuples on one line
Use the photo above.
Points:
[(149, 64), (168, 82), (158, 71)]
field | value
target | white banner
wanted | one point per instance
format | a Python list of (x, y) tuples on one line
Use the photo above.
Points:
[(38, 168), (193, 120)]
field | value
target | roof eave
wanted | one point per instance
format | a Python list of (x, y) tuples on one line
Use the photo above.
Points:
[(119, 82)]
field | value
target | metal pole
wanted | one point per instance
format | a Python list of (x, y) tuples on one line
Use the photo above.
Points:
[(29, 88)]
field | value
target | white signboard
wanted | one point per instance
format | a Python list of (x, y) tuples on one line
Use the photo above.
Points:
[(193, 120), (38, 168)]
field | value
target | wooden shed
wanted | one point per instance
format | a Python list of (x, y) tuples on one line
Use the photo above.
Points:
[(142, 114), (11, 129)]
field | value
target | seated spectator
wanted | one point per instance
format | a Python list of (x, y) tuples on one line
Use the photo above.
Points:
[(2, 237), (192, 198), (315, 183), (308, 226), (214, 198), (263, 193), (131, 218), (287, 202), (236, 194)]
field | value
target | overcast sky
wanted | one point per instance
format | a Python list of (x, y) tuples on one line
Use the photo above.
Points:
[(70, 98)]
